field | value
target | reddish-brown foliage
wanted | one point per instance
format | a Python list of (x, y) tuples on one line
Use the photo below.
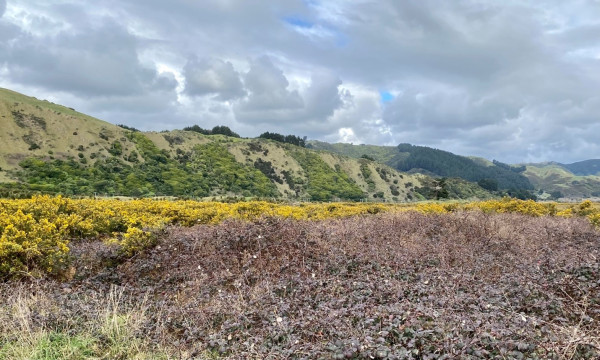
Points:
[(390, 286)]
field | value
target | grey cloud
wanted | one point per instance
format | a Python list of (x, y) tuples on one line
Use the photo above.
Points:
[(505, 80), (442, 109), (323, 95), (165, 81), (271, 105), (7, 32), (98, 62), (161, 98), (268, 89), (212, 76)]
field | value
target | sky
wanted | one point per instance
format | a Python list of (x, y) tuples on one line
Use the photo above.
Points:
[(515, 81)]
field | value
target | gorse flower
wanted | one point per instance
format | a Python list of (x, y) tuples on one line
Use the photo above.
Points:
[(35, 233)]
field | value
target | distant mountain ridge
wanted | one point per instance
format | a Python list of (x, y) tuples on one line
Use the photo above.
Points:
[(547, 180), (560, 182), (584, 168)]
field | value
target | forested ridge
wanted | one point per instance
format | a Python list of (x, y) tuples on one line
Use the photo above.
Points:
[(446, 164)]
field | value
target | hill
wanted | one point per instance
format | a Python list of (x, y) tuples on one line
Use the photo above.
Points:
[(584, 168), (411, 158), (558, 181), (50, 148), (546, 180)]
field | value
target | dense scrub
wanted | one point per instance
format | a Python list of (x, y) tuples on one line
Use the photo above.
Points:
[(35, 233), (408, 285), (325, 183), (203, 171), (406, 157)]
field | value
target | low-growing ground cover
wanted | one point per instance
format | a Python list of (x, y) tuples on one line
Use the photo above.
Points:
[(394, 285), (35, 233), (500, 279)]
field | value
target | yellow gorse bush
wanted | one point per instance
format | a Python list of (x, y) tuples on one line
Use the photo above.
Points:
[(35, 233)]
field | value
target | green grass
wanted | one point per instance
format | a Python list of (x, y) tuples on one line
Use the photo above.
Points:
[(555, 178), (50, 346), (109, 334), (382, 154), (44, 345)]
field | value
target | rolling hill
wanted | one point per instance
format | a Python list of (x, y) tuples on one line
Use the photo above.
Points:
[(584, 168), (556, 179), (421, 159), (49, 148), (546, 180)]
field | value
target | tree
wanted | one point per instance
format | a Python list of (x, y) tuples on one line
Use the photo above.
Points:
[(441, 190), (556, 194), (223, 130), (488, 184), (287, 139), (368, 157)]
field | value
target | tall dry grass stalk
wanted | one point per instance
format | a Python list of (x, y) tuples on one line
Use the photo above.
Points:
[(112, 330)]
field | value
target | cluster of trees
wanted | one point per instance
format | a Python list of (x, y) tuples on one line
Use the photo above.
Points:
[(367, 157), (521, 194), (437, 189), (197, 173), (217, 130), (446, 164), (488, 184), (287, 139), (130, 128), (224, 130)]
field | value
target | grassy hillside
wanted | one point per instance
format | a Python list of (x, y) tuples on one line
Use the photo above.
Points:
[(555, 179), (31, 127), (410, 158), (50, 148), (547, 180), (382, 154)]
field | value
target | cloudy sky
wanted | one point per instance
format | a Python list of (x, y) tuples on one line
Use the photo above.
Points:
[(511, 80)]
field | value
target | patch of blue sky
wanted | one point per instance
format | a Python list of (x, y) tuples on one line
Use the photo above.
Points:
[(386, 96), (298, 22), (316, 31)]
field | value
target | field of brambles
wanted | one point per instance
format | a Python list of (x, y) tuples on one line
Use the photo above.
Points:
[(146, 279)]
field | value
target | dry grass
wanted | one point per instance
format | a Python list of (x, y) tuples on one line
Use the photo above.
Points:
[(34, 326)]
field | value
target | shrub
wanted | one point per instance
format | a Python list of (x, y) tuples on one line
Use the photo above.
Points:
[(135, 240), (30, 245)]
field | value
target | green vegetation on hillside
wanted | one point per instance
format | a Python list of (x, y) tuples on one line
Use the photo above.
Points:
[(434, 162), (555, 180), (202, 172), (446, 164), (325, 183), (286, 139), (48, 148), (220, 170), (583, 168), (217, 130), (382, 154)]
